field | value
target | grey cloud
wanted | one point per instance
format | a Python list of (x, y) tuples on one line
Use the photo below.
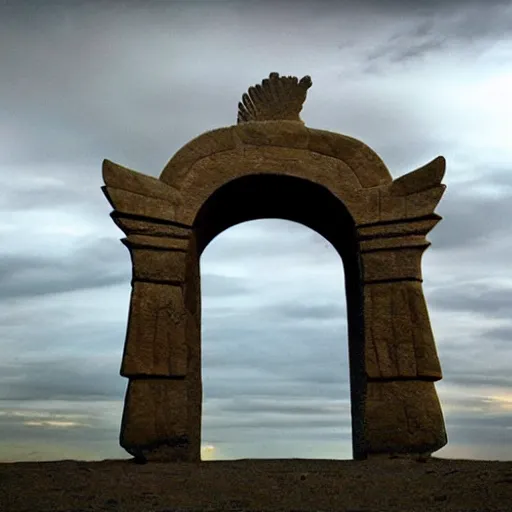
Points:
[(276, 313), (470, 218), (499, 377), (477, 364), (58, 334), (320, 408), (64, 188), (92, 266), (129, 84), (481, 432), (464, 404), (282, 442), (236, 385), (91, 435), (283, 423), (476, 25), (216, 285), (403, 47), (250, 345), (79, 112), (502, 336), (483, 299), (313, 312), (279, 241), (61, 379), (484, 422)]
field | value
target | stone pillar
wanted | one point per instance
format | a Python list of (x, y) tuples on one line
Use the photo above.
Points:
[(402, 411), (155, 423), (162, 410)]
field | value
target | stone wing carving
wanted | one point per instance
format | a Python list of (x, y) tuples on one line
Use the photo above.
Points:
[(426, 177), (277, 98), (420, 190), (134, 195)]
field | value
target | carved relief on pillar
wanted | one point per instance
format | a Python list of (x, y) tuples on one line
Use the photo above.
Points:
[(402, 411), (155, 424), (399, 342), (158, 259), (156, 339), (143, 209), (192, 295), (403, 417), (398, 335), (155, 420)]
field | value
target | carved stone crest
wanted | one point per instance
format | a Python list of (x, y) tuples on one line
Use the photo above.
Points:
[(278, 98)]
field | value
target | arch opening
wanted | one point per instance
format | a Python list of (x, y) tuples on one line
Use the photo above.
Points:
[(269, 196), (275, 352)]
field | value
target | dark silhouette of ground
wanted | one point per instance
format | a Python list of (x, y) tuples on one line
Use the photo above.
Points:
[(265, 485)]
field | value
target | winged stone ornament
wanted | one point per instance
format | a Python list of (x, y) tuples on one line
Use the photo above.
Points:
[(277, 98)]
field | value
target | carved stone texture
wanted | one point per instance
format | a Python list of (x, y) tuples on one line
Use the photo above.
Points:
[(192, 296), (403, 417), (158, 259), (399, 340), (156, 339), (277, 98), (155, 423), (271, 165)]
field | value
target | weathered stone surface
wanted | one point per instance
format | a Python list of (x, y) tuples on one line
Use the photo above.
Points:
[(400, 228), (398, 333), (423, 203), (192, 295), (426, 177), (391, 207), (211, 173), (403, 417), (365, 163), (363, 204), (209, 143), (415, 194), (117, 176), (156, 342), (420, 204), (132, 203), (288, 134), (154, 425), (157, 242), (340, 188), (157, 265), (395, 243), (141, 227), (391, 264), (427, 360), (277, 98)]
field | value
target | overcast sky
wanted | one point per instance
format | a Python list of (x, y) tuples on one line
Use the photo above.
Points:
[(132, 83)]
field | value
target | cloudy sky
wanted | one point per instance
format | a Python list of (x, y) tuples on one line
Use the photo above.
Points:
[(133, 83)]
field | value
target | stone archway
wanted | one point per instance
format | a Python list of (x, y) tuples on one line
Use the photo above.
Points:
[(271, 165)]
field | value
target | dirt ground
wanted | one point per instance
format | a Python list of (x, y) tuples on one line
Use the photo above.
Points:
[(264, 485)]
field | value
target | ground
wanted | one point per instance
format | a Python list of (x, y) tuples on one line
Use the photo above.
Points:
[(264, 485)]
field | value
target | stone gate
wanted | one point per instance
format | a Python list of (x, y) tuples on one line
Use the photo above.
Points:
[(270, 165)]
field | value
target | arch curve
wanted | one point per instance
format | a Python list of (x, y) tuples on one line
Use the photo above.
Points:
[(265, 196), (342, 164)]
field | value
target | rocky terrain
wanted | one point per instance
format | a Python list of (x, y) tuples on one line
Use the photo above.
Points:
[(265, 485)]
